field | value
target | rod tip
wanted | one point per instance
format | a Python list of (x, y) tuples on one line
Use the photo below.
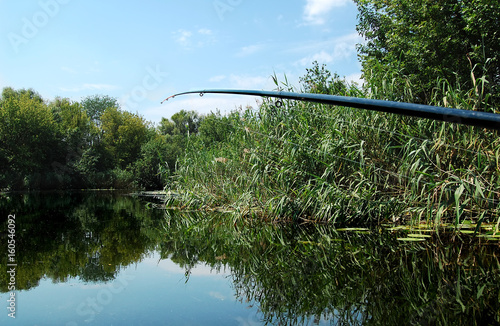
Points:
[(167, 99)]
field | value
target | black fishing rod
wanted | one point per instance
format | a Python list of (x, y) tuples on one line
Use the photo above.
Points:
[(465, 117)]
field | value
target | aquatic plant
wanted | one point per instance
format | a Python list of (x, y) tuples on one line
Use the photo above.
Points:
[(288, 160)]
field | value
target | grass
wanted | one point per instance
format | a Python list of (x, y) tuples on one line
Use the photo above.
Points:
[(297, 161)]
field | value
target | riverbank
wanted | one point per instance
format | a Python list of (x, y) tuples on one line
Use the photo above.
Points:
[(297, 161)]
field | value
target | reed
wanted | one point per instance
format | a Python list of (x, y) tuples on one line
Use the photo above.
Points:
[(296, 161)]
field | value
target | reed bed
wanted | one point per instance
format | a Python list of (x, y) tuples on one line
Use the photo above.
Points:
[(298, 161)]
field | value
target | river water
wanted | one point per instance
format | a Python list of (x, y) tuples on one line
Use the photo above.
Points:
[(104, 258)]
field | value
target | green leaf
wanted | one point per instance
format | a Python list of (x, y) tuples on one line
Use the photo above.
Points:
[(480, 291), (419, 236), (458, 193), (411, 239)]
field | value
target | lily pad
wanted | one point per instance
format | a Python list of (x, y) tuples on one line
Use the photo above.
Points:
[(425, 229), (398, 228)]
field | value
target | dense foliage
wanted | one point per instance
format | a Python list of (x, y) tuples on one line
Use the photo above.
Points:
[(421, 42), (63, 144), (298, 161), (293, 160)]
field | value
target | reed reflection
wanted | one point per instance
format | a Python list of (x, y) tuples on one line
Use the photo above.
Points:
[(294, 274)]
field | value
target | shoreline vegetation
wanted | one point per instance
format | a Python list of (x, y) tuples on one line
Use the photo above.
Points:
[(295, 161), (283, 161), (299, 161)]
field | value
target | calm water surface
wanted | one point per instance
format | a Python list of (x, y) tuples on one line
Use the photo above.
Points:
[(103, 258), (95, 259)]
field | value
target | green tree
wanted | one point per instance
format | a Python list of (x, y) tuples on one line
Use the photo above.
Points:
[(151, 169), (28, 138), (215, 128), (76, 134), (429, 40), (319, 80), (166, 127), (123, 135), (77, 130), (96, 105), (183, 122), (176, 133)]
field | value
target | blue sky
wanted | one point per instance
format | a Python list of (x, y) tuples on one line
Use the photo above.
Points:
[(143, 51)]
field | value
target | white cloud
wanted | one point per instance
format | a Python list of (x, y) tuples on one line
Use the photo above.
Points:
[(217, 295), (188, 39), (205, 31), (100, 86), (243, 81), (249, 50), (321, 57), (203, 105), (217, 79), (335, 50), (69, 70), (355, 78), (249, 82), (315, 11), (183, 37)]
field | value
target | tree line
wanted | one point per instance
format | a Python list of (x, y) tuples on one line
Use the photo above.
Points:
[(443, 53), (64, 144)]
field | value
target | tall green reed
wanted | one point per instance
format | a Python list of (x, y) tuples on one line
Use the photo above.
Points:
[(297, 161)]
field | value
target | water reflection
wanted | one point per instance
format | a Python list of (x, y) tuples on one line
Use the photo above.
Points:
[(90, 236), (294, 275)]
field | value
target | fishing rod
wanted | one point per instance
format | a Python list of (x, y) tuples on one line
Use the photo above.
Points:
[(460, 116)]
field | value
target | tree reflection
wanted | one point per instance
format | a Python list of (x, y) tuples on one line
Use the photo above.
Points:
[(88, 236), (295, 274)]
